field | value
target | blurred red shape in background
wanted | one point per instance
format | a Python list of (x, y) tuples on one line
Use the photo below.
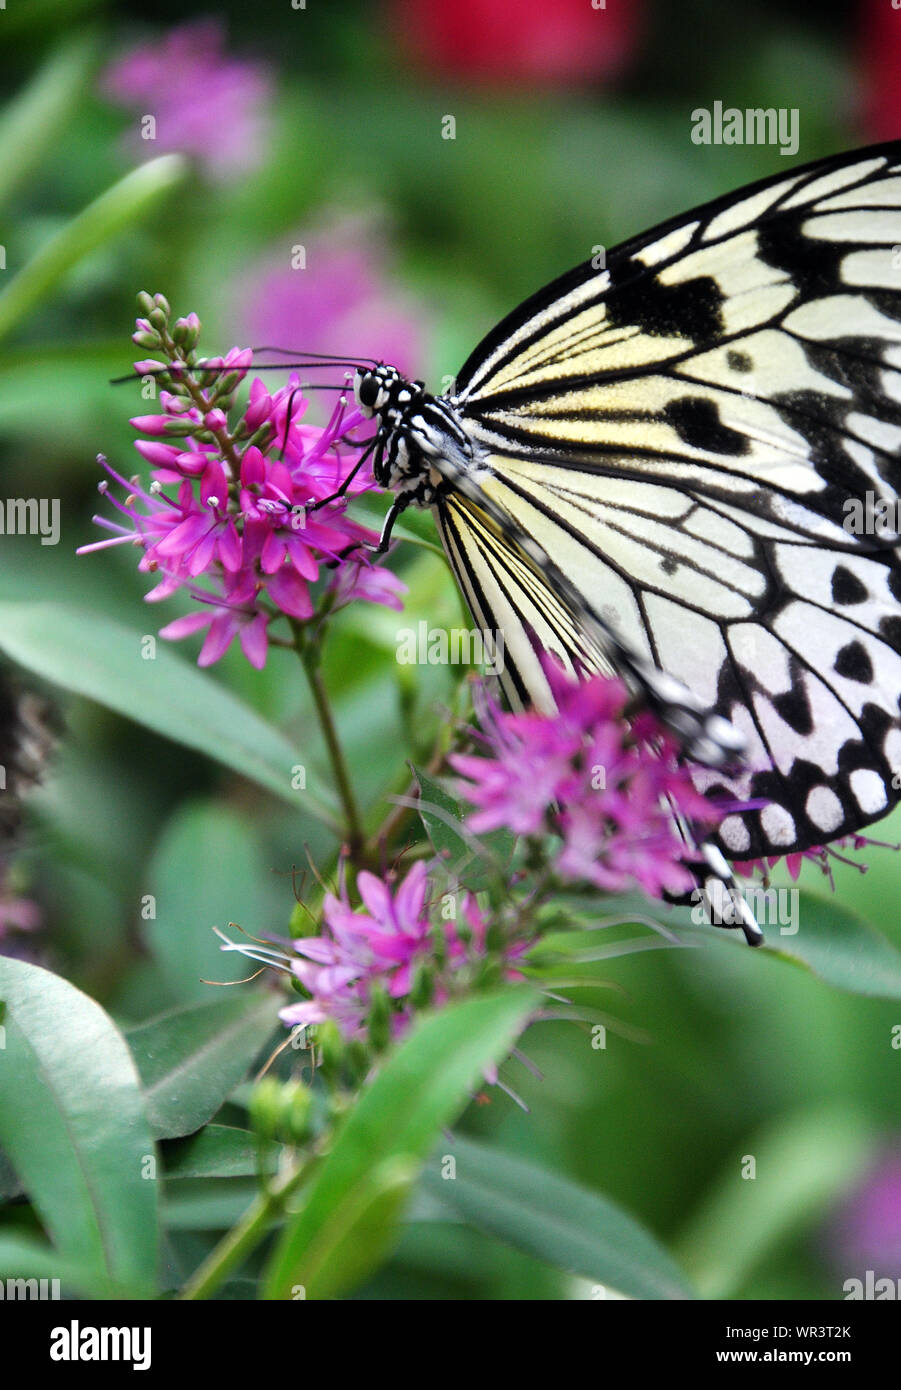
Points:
[(513, 42)]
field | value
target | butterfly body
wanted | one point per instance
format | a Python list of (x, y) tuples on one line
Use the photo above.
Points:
[(425, 456), (416, 429), (649, 467)]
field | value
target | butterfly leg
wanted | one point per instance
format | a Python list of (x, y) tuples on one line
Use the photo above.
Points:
[(400, 504), (724, 901)]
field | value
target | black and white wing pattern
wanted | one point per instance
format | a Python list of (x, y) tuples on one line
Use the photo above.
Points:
[(697, 437)]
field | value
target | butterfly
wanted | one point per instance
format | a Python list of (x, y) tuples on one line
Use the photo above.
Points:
[(669, 468)]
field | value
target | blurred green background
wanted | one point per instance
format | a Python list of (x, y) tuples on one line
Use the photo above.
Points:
[(724, 1054)]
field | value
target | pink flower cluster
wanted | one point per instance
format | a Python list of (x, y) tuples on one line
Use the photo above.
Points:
[(606, 787), (254, 521), (203, 103), (386, 948)]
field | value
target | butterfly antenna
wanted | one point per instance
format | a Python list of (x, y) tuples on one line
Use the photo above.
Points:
[(332, 358)]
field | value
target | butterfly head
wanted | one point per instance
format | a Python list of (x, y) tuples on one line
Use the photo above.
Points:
[(375, 388), (414, 430)]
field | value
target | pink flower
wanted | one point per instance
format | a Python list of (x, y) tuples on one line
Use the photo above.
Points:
[(865, 1232), (372, 582), (246, 527), (603, 787), (342, 297), (249, 627), (384, 947), (202, 102), (820, 855)]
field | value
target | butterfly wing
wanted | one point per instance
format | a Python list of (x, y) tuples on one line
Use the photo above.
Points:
[(687, 433)]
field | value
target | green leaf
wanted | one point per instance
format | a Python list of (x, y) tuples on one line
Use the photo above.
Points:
[(86, 408), (23, 1258), (352, 1204), (554, 1219), (30, 123), (831, 941), (208, 1204), (9, 1179), (102, 660), (120, 207), (217, 1151), (73, 1124), (801, 1165), (191, 1059), (466, 857), (357, 1229), (207, 869), (839, 947)]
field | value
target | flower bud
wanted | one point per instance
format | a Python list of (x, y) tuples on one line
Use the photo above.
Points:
[(145, 302), (145, 338), (150, 424), (186, 332), (494, 937), (265, 1107), (489, 974), (331, 1046), (281, 1111), (175, 405), (259, 410), (422, 989), (379, 1021), (158, 455), (297, 1105), (227, 383), (192, 462), (260, 438), (179, 429), (358, 1058), (162, 303)]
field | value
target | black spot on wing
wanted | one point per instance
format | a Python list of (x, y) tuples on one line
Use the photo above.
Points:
[(854, 664), (846, 587), (793, 706), (697, 422), (690, 310), (890, 632)]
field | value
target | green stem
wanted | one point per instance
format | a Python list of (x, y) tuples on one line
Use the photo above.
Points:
[(399, 815), (198, 396), (309, 656), (234, 1248)]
